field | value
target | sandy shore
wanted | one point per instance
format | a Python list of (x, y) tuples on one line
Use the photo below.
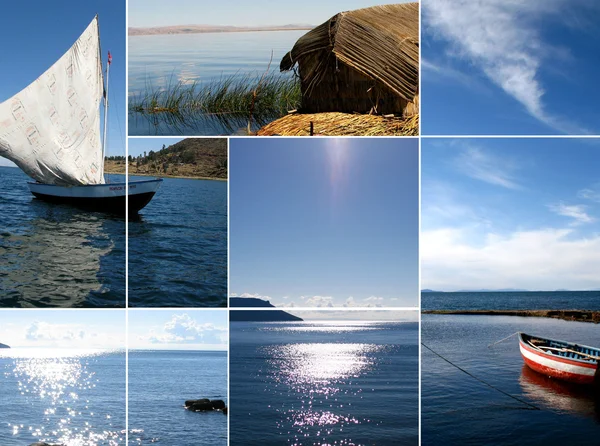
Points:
[(567, 315)]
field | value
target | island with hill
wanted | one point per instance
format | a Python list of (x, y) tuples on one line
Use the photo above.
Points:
[(4, 346), (258, 315), (200, 158)]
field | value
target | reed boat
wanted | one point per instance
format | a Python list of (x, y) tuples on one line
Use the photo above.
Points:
[(560, 359)]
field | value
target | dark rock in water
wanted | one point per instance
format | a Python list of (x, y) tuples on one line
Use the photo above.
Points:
[(225, 411), (204, 405), (41, 443), (192, 402), (218, 404), (201, 406)]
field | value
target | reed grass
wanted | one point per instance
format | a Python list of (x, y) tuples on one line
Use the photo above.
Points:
[(239, 95)]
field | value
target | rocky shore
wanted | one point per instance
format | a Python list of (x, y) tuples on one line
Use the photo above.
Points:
[(206, 405)]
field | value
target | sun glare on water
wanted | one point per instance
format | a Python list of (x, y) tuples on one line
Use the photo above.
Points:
[(58, 384)]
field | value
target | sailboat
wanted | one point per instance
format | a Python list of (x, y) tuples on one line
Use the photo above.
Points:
[(51, 130)]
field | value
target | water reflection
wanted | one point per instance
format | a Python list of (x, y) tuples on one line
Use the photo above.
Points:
[(560, 395), (55, 258), (56, 387)]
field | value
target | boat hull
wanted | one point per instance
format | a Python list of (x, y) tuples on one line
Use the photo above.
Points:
[(99, 197), (564, 368)]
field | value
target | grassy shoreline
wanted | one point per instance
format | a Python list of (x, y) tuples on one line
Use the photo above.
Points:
[(191, 177), (566, 315)]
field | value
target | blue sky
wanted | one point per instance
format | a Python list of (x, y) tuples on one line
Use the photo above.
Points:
[(510, 67), (41, 32), (319, 222), (178, 330), (137, 146), (79, 328), (148, 13), (510, 213)]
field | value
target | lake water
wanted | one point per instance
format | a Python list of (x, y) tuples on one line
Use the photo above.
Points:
[(517, 300), (324, 383), (160, 382), (72, 397), (457, 409), (178, 246), (156, 62), (57, 255)]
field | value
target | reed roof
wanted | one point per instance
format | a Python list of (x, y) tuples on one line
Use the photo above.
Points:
[(381, 42)]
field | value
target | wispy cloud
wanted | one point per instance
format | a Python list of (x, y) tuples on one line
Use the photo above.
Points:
[(502, 38), (482, 165), (576, 212), (590, 193)]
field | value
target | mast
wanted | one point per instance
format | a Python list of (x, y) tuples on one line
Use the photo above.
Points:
[(106, 110)]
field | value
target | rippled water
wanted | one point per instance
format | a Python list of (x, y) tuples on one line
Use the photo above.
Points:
[(178, 246), (71, 397), (513, 300), (160, 382), (156, 62), (55, 255), (457, 409), (325, 383)]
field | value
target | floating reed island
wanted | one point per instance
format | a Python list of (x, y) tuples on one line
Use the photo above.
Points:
[(567, 315), (358, 73), (355, 74)]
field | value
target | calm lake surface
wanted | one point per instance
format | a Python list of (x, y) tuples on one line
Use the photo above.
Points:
[(70, 397), (324, 383), (57, 255), (178, 246), (457, 409), (160, 382), (514, 300), (156, 62)]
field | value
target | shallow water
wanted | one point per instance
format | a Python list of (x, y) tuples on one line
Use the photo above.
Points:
[(57, 255), (160, 382), (178, 246), (335, 383), (457, 409), (156, 62), (72, 397)]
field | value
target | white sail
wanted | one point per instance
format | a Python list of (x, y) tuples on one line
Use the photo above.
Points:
[(51, 129)]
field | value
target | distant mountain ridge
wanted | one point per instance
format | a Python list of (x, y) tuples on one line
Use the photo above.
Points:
[(4, 346), (199, 29), (258, 315)]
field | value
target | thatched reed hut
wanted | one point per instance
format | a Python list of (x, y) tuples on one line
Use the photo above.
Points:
[(361, 61)]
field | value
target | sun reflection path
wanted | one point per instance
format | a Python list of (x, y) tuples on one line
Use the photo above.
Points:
[(60, 384), (320, 374)]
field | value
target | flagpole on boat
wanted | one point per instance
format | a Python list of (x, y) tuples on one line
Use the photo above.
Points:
[(106, 111)]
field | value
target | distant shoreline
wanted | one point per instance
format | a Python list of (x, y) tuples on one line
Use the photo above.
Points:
[(168, 30), (136, 174), (566, 315)]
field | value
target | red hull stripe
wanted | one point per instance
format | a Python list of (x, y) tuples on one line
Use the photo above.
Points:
[(557, 358), (559, 374)]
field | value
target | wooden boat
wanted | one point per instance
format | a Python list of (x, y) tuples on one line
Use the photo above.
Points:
[(561, 360), (51, 130)]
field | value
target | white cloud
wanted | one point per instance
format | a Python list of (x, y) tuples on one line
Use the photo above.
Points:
[(502, 38), (183, 329), (539, 259), (484, 166), (576, 212), (317, 301)]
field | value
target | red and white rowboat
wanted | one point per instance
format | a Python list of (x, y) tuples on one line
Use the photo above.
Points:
[(560, 359)]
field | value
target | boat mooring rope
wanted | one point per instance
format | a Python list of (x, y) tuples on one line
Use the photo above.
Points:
[(531, 406), (502, 340)]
